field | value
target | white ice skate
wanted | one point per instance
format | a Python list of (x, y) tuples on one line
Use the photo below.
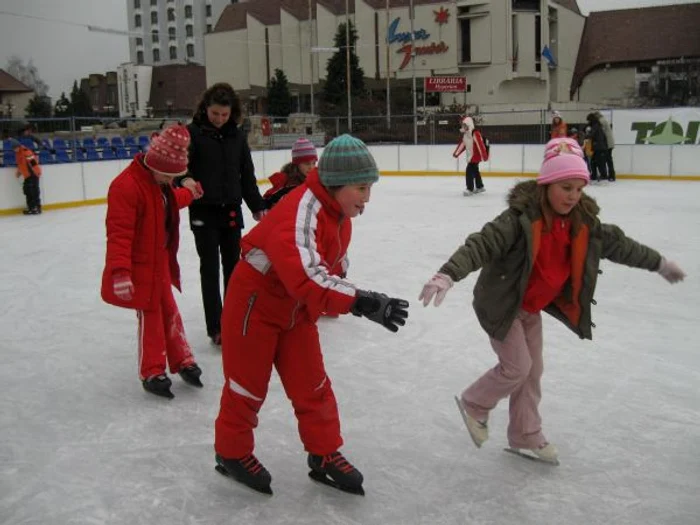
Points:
[(546, 454), (468, 193), (479, 431), (480, 190)]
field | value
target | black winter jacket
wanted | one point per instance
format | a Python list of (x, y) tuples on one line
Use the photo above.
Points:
[(220, 160)]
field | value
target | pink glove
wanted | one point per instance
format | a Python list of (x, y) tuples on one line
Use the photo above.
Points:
[(258, 215), (670, 271), (436, 287), (123, 287)]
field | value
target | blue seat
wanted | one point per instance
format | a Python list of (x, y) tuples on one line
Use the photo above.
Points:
[(108, 154), (7, 145), (88, 142), (46, 144), (130, 141), (103, 142), (117, 142), (27, 142), (121, 152), (91, 153), (62, 156), (45, 157), (143, 141), (80, 155), (9, 158), (59, 144)]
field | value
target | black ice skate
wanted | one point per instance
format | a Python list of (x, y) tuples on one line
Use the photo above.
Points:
[(191, 374), (247, 470), (159, 385), (337, 472)]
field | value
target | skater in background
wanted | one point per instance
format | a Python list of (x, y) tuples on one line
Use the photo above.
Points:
[(588, 149), (221, 162), (283, 283), (610, 142), (473, 144), (29, 169), (541, 254), (143, 235), (558, 128), (599, 145), (293, 173)]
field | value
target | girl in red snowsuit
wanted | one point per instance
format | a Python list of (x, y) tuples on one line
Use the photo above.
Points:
[(141, 262), (284, 281)]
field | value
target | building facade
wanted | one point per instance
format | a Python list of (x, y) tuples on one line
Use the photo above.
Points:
[(512, 52), (134, 90), (163, 32)]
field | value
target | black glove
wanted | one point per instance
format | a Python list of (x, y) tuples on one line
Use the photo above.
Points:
[(380, 308)]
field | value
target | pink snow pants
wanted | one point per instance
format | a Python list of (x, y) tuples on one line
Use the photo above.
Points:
[(517, 375), (162, 335)]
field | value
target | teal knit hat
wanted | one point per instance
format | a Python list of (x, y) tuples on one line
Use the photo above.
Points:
[(346, 160)]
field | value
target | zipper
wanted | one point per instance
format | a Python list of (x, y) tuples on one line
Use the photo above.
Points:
[(251, 302), (294, 315)]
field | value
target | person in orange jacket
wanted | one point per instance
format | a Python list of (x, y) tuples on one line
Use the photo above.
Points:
[(29, 168), (558, 129), (292, 174), (141, 266), (284, 282)]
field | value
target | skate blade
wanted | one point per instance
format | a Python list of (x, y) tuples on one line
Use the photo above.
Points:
[(464, 418), (194, 382), (166, 395), (531, 457), (263, 490), (325, 480)]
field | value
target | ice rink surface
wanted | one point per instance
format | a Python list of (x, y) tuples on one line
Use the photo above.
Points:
[(82, 443)]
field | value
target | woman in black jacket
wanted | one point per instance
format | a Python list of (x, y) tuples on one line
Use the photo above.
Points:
[(220, 160)]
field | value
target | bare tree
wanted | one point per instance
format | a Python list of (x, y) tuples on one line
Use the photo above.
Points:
[(27, 74)]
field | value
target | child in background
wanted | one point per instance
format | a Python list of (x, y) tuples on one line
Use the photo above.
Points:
[(285, 280), (473, 143), (558, 128), (143, 235), (292, 174), (28, 167), (542, 253)]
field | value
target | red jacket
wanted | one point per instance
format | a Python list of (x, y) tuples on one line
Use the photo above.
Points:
[(480, 154), (136, 236), (296, 252)]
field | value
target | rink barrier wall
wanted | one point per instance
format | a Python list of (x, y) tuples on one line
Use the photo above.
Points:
[(82, 184)]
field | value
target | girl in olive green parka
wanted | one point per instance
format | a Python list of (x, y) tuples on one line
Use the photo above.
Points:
[(542, 253)]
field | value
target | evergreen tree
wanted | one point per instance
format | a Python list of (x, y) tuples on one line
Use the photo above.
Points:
[(79, 102), (335, 87), (38, 107), (62, 108), (279, 99)]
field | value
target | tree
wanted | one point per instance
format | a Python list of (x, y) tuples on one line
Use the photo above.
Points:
[(79, 102), (63, 106), (279, 100), (335, 87), (675, 84), (38, 107), (27, 74)]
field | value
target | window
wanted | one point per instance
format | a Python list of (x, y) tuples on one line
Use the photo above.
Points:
[(171, 14), (466, 49), (209, 28), (188, 11), (137, 4), (173, 53), (189, 30), (171, 33), (190, 50), (139, 41), (155, 37), (643, 69), (139, 57), (644, 89), (154, 2), (538, 43), (207, 10), (526, 5), (154, 17), (137, 21), (514, 32), (156, 55)]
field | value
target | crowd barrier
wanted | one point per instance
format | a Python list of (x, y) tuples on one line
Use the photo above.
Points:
[(83, 183)]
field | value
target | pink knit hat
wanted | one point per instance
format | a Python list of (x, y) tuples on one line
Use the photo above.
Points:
[(167, 153), (303, 151), (563, 159)]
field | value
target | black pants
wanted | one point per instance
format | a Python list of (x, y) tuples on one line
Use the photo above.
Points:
[(218, 243), (599, 169), (473, 175), (609, 164), (32, 193)]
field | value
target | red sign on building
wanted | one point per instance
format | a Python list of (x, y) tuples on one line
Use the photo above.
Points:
[(445, 84)]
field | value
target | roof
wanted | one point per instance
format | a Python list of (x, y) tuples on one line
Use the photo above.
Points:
[(8, 83), (381, 4), (637, 35), (299, 9), (571, 5), (337, 7), (182, 84), (232, 18), (267, 12)]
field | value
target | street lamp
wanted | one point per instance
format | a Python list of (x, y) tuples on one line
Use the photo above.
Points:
[(413, 74), (347, 62)]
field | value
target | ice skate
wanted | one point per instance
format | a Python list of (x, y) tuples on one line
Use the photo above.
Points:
[(547, 453), (191, 374), (337, 472), (480, 190), (158, 385), (478, 430), (468, 193), (246, 470)]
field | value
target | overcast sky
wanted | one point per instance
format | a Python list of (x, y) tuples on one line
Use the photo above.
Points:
[(63, 49)]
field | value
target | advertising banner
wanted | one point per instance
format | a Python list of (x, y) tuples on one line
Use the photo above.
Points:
[(445, 84), (668, 126)]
